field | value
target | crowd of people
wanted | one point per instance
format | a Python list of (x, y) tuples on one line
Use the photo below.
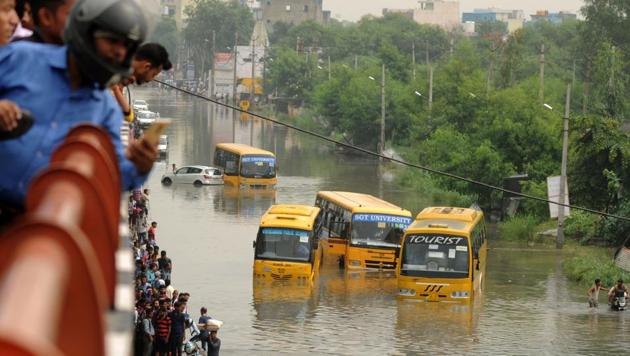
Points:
[(65, 63), (162, 318)]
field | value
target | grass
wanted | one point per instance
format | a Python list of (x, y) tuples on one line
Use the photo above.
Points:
[(519, 228), (589, 263)]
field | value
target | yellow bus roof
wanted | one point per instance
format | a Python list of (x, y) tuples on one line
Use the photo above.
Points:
[(291, 216), (243, 149), (445, 219), (363, 203)]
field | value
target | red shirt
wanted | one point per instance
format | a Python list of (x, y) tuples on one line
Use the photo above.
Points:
[(163, 326)]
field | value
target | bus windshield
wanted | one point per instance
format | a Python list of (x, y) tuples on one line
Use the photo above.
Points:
[(435, 256), (378, 229), (283, 244), (258, 167)]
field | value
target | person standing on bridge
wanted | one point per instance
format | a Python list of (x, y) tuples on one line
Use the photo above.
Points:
[(8, 22), (65, 86)]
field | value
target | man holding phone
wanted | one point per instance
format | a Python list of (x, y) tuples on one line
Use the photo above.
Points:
[(65, 86)]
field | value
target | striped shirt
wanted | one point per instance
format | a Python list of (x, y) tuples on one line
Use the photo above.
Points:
[(163, 326)]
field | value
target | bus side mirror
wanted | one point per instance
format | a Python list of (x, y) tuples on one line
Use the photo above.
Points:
[(254, 244)]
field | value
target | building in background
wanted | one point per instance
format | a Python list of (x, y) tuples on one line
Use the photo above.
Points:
[(443, 13), (555, 18), (175, 9), (291, 11), (514, 19)]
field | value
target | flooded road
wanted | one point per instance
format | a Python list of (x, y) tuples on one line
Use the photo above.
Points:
[(528, 307)]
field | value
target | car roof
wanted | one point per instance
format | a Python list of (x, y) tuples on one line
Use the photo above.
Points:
[(145, 112), (202, 167), (139, 101)]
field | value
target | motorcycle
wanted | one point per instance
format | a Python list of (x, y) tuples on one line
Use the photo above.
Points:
[(192, 348), (619, 301)]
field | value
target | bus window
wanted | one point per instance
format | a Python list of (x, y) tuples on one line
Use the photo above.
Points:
[(283, 244), (435, 256), (231, 164)]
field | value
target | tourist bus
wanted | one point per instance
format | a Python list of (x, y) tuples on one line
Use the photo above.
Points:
[(443, 255), (246, 166), (362, 231), (287, 246)]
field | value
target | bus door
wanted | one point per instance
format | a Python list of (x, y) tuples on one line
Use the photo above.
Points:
[(334, 232), (479, 253)]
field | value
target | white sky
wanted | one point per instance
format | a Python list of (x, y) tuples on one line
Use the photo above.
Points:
[(353, 10)]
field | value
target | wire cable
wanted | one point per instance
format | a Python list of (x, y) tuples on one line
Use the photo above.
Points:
[(391, 159)]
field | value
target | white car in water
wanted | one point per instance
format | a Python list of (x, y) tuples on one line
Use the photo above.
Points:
[(197, 175), (140, 105), (146, 118), (163, 145)]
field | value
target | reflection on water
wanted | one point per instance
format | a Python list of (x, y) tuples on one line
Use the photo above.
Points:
[(528, 306)]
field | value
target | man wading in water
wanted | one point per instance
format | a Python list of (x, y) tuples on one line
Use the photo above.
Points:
[(593, 293)]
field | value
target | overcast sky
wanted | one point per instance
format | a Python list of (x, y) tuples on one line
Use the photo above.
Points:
[(353, 10)]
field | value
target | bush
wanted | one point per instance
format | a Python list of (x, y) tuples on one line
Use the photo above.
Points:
[(519, 228), (581, 226), (433, 194), (585, 268)]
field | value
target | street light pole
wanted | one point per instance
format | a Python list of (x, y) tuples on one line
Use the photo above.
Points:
[(382, 143), (563, 169)]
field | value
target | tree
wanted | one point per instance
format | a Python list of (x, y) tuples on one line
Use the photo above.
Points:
[(288, 74), (166, 34), (225, 18), (610, 81)]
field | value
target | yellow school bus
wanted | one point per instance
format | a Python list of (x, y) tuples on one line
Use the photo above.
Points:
[(245, 166), (287, 246), (443, 256), (362, 231)]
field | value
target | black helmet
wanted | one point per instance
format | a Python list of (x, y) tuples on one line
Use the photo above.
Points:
[(120, 18)]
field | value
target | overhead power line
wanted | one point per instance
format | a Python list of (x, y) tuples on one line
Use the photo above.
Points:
[(391, 159)]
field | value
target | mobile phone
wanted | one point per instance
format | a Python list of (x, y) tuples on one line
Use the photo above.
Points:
[(24, 124)]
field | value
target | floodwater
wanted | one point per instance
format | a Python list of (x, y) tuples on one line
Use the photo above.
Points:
[(528, 307)]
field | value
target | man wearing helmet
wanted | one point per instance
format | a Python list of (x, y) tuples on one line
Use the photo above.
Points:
[(64, 86)]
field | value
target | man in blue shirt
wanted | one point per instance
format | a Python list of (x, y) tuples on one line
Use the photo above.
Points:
[(64, 86)]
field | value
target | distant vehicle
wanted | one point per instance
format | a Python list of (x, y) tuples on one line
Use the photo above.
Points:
[(145, 117), (163, 145), (140, 105), (197, 175), (246, 166)]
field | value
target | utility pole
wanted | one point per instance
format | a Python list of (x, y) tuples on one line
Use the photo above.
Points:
[(264, 70), (252, 87), (586, 89), (235, 55), (430, 89), (452, 44), (563, 169), (491, 69), (213, 68), (329, 69), (382, 143), (297, 45), (413, 60), (426, 60), (541, 90), (356, 62)]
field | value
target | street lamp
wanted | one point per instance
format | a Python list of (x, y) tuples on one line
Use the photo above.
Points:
[(548, 106), (418, 93), (372, 78), (472, 95)]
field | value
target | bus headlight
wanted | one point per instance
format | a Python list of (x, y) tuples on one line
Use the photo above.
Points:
[(355, 263), (407, 292), (459, 294)]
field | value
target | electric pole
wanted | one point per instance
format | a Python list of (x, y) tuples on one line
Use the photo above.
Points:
[(430, 89), (235, 55), (413, 60), (252, 87), (329, 69), (426, 60), (541, 90), (213, 69), (563, 169), (452, 43), (382, 143), (356, 62)]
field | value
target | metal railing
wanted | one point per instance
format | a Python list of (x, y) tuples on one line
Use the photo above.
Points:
[(58, 261)]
